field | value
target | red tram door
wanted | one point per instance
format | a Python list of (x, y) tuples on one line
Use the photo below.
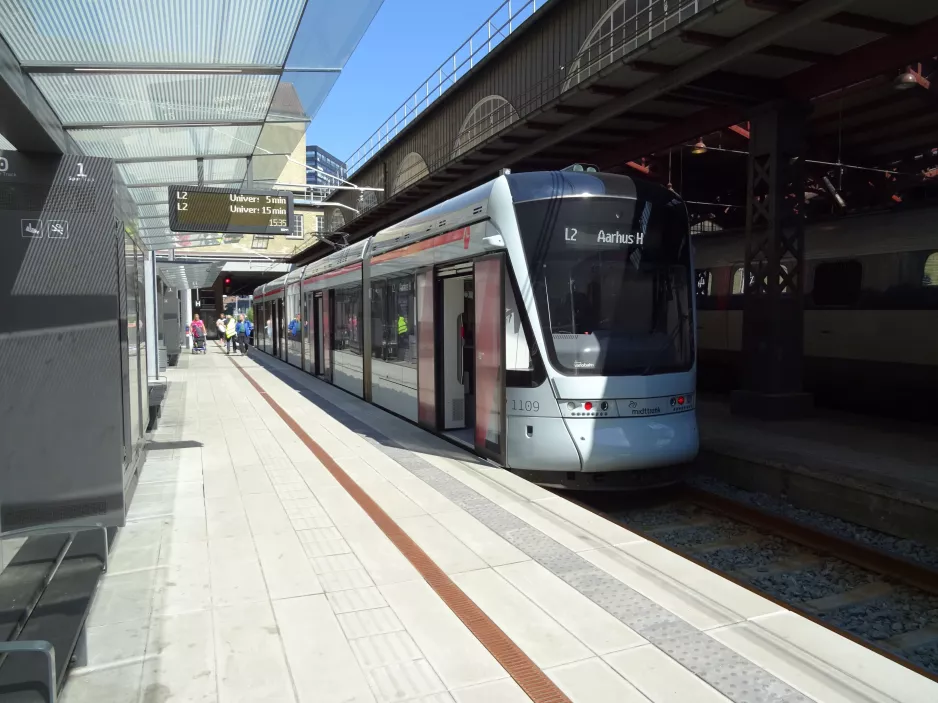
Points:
[(274, 328), (316, 369), (280, 332), (489, 356), (326, 329), (426, 351)]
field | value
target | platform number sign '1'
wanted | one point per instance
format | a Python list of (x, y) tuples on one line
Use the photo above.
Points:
[(216, 210)]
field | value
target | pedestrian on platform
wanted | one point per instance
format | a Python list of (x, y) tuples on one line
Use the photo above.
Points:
[(198, 333), (243, 329), (231, 332), (220, 326)]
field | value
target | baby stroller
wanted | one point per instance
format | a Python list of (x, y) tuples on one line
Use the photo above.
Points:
[(198, 340)]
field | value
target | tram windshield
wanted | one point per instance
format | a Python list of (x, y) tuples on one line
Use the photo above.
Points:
[(611, 279)]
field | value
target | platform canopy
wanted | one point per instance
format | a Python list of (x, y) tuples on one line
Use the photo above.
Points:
[(187, 276), (217, 92)]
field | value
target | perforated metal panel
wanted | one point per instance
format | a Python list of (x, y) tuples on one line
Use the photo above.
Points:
[(62, 382)]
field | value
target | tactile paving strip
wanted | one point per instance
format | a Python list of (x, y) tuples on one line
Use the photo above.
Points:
[(733, 675), (534, 682)]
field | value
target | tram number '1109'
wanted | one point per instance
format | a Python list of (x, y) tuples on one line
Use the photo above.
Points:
[(530, 406)]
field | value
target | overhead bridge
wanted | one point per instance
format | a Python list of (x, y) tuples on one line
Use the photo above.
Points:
[(610, 81)]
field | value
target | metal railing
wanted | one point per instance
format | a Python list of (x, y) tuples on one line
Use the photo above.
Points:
[(639, 26), (635, 32), (509, 16)]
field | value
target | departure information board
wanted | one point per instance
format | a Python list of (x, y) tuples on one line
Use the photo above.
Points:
[(202, 209)]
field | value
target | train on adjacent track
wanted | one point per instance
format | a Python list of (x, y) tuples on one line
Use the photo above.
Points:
[(544, 320), (870, 331)]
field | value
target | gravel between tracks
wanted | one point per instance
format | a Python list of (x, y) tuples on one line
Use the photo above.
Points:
[(747, 556), (818, 582), (648, 518), (693, 535), (903, 611), (926, 657), (906, 548)]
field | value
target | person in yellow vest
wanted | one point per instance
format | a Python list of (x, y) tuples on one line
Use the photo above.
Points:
[(403, 341), (231, 330)]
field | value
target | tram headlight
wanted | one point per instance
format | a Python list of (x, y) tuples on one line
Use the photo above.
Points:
[(604, 406)]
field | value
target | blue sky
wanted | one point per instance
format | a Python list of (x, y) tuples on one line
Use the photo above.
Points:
[(407, 40)]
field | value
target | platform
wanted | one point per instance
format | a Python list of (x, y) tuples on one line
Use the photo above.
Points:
[(288, 542), (877, 472)]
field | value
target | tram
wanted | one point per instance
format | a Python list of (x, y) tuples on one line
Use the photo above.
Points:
[(543, 320)]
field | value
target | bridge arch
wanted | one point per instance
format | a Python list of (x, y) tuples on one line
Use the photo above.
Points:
[(411, 170), (609, 40), (488, 116)]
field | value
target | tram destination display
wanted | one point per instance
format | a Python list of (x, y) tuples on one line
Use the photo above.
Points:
[(626, 230), (201, 209)]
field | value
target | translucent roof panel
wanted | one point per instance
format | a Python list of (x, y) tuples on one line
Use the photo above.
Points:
[(160, 194), (286, 104), (184, 91), (167, 172), (190, 275), (346, 21), (109, 98), (75, 32), (267, 167), (312, 89), (158, 223), (165, 236), (225, 169), (149, 195), (161, 210), (280, 137), (167, 142)]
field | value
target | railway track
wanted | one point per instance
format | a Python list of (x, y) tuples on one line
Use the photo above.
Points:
[(878, 599)]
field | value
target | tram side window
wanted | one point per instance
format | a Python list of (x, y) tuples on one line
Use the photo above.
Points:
[(738, 288), (738, 281), (517, 350), (401, 327), (705, 282), (347, 325), (523, 362), (295, 324), (394, 320), (930, 274), (837, 283), (378, 303)]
